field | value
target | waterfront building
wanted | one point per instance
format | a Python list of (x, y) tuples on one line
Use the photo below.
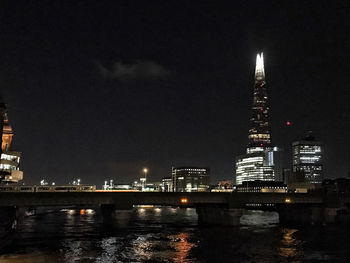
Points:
[(307, 159), (223, 186), (9, 160), (167, 184), (341, 186), (7, 134), (142, 186), (190, 179), (262, 160), (153, 187)]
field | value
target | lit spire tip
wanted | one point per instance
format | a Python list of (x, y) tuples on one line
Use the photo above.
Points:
[(259, 68)]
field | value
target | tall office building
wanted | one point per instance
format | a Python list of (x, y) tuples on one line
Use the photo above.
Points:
[(190, 179), (259, 137), (307, 159), (261, 160)]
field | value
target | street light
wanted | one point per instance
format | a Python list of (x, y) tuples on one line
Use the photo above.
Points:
[(143, 180), (145, 171), (105, 186)]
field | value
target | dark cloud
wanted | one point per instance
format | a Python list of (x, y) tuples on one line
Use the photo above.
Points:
[(139, 69)]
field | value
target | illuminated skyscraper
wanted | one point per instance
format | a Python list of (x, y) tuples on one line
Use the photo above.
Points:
[(259, 133), (260, 161), (307, 159)]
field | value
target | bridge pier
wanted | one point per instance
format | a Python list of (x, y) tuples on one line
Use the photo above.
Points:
[(218, 216), (116, 216), (311, 215)]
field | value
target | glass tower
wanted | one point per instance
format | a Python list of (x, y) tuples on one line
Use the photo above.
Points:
[(259, 133), (259, 163)]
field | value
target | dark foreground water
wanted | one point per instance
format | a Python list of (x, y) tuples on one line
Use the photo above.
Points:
[(171, 235)]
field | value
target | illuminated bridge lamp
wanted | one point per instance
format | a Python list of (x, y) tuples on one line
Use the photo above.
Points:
[(184, 200), (287, 200)]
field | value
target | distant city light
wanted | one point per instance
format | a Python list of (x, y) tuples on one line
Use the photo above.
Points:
[(43, 182), (184, 200), (89, 211), (287, 200), (105, 186)]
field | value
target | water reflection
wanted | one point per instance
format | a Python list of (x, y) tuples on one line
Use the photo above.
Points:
[(169, 235), (258, 218), (290, 247), (72, 250), (110, 248), (182, 247)]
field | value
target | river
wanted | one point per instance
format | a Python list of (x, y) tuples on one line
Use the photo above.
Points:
[(170, 235)]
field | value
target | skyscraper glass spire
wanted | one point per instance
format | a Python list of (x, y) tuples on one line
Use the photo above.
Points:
[(259, 163), (259, 133)]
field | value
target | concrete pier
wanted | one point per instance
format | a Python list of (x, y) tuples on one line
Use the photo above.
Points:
[(218, 216), (116, 216), (312, 215)]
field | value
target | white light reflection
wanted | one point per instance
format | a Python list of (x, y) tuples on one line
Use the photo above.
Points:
[(90, 211)]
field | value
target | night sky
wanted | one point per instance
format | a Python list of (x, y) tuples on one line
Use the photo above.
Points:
[(100, 89)]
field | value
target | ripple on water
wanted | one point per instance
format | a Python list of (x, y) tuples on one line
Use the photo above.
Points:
[(171, 235)]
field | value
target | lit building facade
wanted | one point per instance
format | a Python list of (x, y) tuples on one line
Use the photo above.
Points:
[(259, 136), (167, 184), (261, 161), (190, 179), (307, 159), (9, 160), (223, 186), (7, 134), (9, 166)]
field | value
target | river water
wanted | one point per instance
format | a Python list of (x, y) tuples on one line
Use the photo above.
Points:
[(170, 235)]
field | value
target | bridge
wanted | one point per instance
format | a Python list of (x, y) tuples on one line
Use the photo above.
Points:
[(212, 208), (124, 200)]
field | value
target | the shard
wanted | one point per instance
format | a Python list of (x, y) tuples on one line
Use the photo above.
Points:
[(259, 162)]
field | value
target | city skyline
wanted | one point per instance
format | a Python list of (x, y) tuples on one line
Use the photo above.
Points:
[(98, 91)]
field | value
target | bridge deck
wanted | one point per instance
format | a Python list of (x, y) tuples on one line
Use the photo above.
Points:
[(125, 199)]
